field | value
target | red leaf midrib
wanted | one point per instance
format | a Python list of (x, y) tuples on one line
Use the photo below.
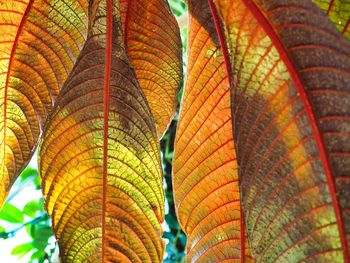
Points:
[(108, 59), (8, 74), (264, 22)]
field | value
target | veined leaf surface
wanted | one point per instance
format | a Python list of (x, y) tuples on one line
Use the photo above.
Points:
[(153, 42), (291, 101), (338, 12), (40, 41), (100, 162), (205, 178)]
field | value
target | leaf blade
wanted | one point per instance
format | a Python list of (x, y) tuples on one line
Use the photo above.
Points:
[(153, 42), (39, 48), (285, 148), (338, 12), (11, 214), (104, 192), (205, 178)]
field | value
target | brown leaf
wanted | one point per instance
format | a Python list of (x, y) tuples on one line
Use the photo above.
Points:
[(290, 71)]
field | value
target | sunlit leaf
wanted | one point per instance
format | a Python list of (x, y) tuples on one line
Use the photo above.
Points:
[(99, 160), (11, 214), (205, 169), (27, 173), (40, 41), (291, 101), (31, 208), (38, 255), (153, 42), (22, 249), (338, 12)]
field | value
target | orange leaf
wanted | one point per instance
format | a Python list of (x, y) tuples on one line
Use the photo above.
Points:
[(205, 177), (153, 42), (338, 12), (291, 99), (40, 42), (99, 159)]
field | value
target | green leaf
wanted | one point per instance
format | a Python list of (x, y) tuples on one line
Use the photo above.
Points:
[(2, 229), (37, 182), (28, 172), (22, 250), (169, 236), (31, 208), (38, 256), (11, 214), (171, 220), (41, 234)]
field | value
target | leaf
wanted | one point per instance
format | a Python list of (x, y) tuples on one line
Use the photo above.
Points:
[(338, 12), (153, 42), (205, 177), (40, 43), (290, 73), (41, 234), (99, 160), (38, 255), (11, 214), (28, 172), (22, 249), (31, 208)]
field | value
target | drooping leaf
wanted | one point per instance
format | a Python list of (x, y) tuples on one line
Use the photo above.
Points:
[(291, 100), (205, 177), (99, 160), (11, 214), (40, 41), (338, 12), (153, 43)]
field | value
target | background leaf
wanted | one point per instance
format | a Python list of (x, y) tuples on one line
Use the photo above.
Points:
[(31, 208), (22, 249), (11, 214)]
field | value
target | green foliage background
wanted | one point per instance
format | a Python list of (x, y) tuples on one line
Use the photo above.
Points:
[(33, 218)]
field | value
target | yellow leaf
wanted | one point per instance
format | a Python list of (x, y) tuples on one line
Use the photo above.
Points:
[(99, 160), (40, 41)]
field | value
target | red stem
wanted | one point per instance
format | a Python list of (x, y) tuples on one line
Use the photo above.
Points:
[(105, 117)]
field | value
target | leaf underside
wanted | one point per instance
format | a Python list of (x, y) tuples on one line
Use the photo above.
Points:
[(291, 102), (40, 41), (154, 48), (205, 178), (338, 12), (99, 159)]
